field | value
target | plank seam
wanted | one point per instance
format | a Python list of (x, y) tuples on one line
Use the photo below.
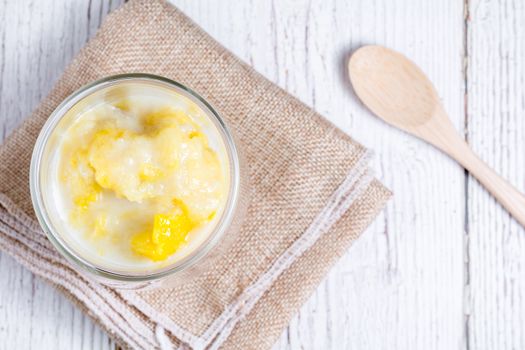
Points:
[(466, 286)]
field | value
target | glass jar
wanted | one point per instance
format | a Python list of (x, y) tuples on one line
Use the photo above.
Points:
[(42, 192)]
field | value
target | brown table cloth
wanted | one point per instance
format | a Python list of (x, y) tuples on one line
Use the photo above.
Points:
[(311, 194)]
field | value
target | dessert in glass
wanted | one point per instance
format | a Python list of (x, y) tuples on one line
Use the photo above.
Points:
[(135, 178)]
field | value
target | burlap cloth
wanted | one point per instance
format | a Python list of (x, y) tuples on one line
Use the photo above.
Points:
[(310, 189)]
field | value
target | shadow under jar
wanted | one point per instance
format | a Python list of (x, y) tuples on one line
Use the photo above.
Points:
[(138, 182)]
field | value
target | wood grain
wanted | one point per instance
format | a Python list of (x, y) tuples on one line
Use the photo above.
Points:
[(407, 283), (496, 131)]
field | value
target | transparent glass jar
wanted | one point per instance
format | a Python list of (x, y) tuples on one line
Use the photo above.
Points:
[(42, 193)]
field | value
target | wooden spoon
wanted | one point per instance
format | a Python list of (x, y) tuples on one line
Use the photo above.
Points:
[(395, 89)]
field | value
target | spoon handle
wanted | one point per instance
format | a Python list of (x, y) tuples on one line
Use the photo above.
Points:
[(509, 197), (440, 132)]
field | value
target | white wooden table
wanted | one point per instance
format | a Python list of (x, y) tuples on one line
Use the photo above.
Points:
[(442, 268)]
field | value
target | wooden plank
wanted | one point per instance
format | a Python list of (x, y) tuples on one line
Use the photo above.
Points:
[(496, 131), (401, 286), (37, 40)]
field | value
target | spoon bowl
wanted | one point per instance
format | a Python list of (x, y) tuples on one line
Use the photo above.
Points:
[(400, 94)]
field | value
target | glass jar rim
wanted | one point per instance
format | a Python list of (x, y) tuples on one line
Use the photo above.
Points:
[(43, 216)]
